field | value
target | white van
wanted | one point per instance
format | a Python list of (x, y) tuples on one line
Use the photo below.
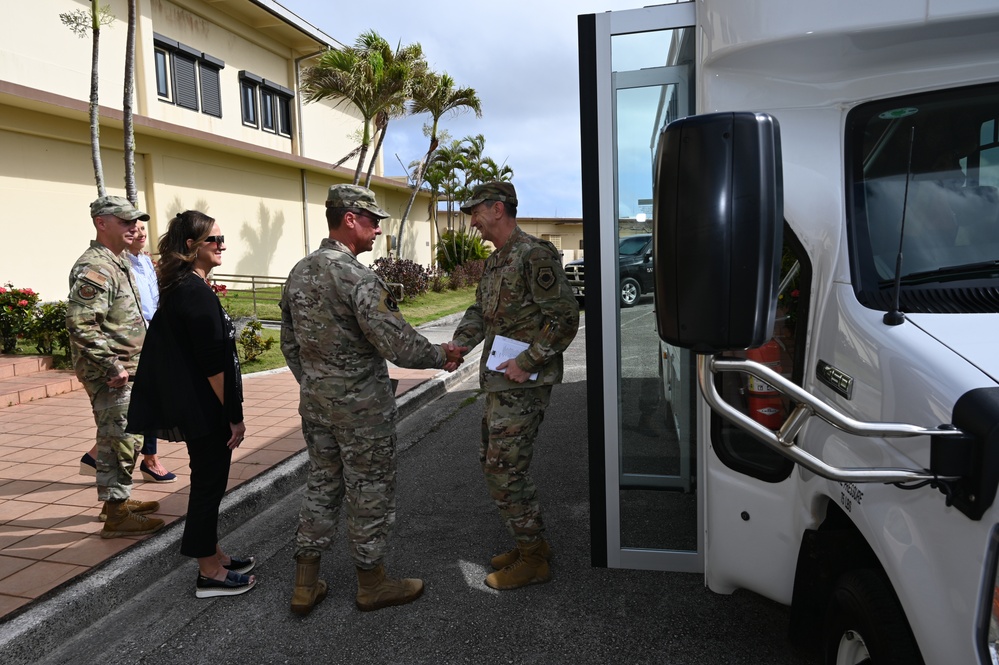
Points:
[(826, 184)]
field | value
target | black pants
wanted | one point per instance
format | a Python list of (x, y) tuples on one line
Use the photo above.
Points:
[(210, 459)]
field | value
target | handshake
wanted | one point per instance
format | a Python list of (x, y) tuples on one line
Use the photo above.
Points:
[(454, 355)]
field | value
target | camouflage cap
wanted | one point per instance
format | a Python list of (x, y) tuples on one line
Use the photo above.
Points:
[(354, 196), (117, 206), (490, 191)]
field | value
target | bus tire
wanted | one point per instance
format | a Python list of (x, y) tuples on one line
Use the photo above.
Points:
[(865, 623)]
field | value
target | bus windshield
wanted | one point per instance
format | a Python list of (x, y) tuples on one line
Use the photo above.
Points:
[(933, 161)]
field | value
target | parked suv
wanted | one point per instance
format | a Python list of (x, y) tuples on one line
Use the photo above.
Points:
[(634, 266)]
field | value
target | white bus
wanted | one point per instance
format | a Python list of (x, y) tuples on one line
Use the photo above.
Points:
[(820, 423)]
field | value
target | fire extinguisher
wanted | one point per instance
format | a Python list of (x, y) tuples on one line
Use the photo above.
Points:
[(765, 406)]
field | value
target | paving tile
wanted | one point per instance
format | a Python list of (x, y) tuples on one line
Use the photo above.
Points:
[(10, 565), (90, 550), (17, 487), (43, 545), (10, 534), (24, 470), (39, 578), (47, 493), (10, 603), (46, 515), (15, 510)]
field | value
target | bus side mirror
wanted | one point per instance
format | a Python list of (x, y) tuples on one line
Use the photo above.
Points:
[(719, 212)]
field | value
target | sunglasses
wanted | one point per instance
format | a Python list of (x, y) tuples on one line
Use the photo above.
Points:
[(218, 240), (374, 220)]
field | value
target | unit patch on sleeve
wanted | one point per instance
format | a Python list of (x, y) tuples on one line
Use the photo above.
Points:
[(545, 277)]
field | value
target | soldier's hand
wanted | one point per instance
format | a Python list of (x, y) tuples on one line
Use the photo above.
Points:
[(453, 355), (512, 371), (118, 381)]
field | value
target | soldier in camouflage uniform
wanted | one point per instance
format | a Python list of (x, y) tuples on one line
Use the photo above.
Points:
[(523, 295), (339, 323), (106, 330)]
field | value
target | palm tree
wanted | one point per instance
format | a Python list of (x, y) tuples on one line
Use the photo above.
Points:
[(490, 171), (368, 75), (81, 22), (437, 95)]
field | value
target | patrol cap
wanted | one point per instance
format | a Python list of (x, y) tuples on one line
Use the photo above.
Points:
[(117, 206), (354, 196), (490, 191)]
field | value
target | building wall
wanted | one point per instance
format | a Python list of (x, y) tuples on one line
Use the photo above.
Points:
[(269, 201)]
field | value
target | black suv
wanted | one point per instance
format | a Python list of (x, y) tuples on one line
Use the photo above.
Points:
[(634, 266)]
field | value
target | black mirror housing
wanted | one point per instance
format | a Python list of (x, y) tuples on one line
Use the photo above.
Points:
[(719, 212)]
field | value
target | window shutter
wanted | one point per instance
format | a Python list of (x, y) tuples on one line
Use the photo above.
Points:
[(185, 81), (211, 95)]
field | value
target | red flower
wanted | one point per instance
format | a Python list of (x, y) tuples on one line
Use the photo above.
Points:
[(27, 292), (22, 303), (795, 293), (3, 290)]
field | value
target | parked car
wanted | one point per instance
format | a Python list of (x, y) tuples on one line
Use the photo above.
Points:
[(634, 269)]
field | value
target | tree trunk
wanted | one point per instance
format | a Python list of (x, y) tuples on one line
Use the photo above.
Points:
[(130, 188), (380, 129), (420, 173), (95, 127)]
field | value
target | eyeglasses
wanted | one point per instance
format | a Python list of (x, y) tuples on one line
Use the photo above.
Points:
[(218, 240), (375, 222)]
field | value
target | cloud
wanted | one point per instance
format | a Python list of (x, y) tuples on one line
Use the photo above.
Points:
[(522, 59)]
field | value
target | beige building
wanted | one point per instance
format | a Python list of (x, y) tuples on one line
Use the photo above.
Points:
[(566, 233), (220, 126)]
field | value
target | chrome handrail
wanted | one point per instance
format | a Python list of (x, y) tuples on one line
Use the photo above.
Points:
[(782, 440)]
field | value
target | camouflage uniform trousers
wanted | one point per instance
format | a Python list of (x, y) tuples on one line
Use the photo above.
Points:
[(353, 465), (116, 449), (509, 426)]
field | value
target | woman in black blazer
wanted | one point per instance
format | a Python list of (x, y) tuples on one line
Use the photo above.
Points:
[(188, 388)]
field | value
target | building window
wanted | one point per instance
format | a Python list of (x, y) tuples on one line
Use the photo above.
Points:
[(273, 101), (211, 92), (192, 75), (267, 110), (284, 115), (553, 239), (185, 80), (162, 74), (248, 86), (248, 102)]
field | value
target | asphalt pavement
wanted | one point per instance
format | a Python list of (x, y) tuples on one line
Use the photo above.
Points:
[(446, 531)]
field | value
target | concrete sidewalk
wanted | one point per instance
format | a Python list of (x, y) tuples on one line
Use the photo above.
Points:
[(49, 534)]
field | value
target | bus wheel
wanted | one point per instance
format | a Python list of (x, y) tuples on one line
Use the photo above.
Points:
[(865, 623)]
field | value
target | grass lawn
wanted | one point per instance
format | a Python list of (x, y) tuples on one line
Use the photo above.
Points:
[(428, 307)]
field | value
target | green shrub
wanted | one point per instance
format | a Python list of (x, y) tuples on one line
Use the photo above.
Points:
[(252, 342), (17, 313), (458, 247), (48, 329)]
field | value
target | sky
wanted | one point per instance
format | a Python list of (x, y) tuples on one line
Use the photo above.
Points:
[(520, 56)]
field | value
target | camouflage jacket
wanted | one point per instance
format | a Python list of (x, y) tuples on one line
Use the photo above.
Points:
[(105, 323), (524, 295), (339, 323)]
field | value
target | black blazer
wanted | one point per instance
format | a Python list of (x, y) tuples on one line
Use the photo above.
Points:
[(189, 339)]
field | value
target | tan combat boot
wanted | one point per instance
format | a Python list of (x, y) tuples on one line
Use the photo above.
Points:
[(530, 568), (501, 561), (375, 590), (309, 589), (122, 522), (134, 506)]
